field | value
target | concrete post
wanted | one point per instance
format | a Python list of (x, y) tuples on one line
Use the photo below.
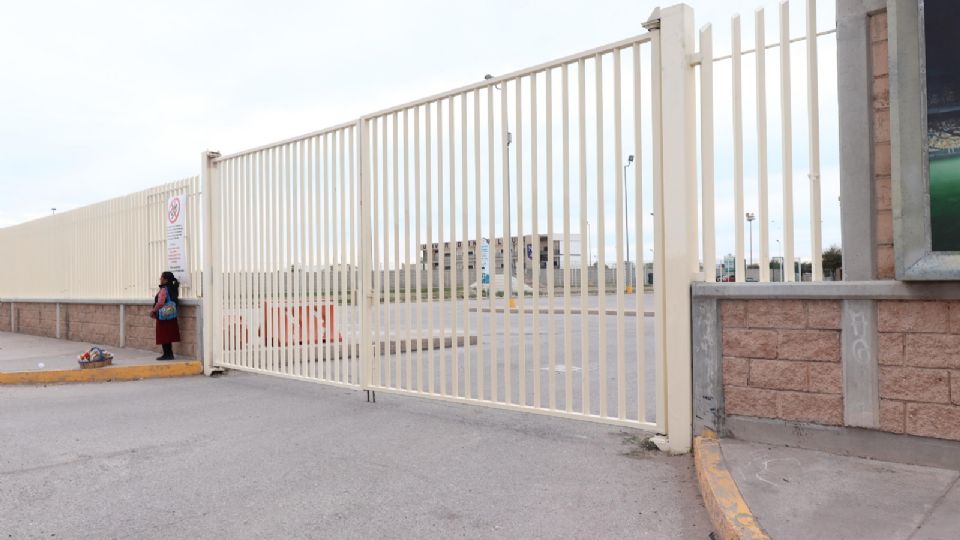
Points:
[(123, 326)]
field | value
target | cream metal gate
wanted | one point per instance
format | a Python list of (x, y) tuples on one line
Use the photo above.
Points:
[(353, 256)]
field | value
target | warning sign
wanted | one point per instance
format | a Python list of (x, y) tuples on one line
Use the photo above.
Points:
[(176, 221)]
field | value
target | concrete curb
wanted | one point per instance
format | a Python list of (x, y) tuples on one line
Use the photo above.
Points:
[(110, 373), (728, 511)]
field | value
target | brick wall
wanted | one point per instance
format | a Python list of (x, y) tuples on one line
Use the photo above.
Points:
[(4, 316), (920, 368), (781, 359), (100, 324), (881, 146)]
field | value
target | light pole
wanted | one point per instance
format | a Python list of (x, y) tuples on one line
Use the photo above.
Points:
[(626, 221), (780, 249), (508, 271), (750, 217)]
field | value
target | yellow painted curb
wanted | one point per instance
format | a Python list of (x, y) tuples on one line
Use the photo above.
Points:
[(729, 513), (110, 373)]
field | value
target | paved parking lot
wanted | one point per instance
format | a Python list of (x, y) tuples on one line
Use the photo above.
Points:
[(255, 456)]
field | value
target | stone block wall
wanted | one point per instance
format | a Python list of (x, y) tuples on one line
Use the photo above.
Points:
[(37, 319), (95, 323), (781, 359), (100, 324), (920, 368), (141, 330)]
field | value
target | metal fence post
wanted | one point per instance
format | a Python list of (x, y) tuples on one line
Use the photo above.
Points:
[(366, 250), (676, 224), (210, 301)]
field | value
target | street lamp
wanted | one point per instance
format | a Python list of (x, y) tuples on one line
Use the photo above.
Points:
[(750, 217), (509, 263), (626, 221)]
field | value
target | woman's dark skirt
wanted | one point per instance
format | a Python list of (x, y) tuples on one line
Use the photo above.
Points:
[(167, 332)]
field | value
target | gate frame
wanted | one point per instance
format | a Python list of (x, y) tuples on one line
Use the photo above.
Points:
[(676, 240)]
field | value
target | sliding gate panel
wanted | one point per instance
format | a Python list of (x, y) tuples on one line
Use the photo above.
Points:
[(288, 258), (510, 225)]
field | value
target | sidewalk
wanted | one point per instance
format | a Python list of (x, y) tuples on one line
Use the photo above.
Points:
[(39, 360), (795, 493)]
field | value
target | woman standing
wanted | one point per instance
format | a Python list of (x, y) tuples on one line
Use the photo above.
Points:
[(168, 332)]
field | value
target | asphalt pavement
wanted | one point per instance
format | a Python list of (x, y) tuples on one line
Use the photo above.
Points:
[(244, 456)]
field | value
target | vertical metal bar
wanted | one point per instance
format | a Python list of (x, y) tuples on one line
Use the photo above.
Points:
[(224, 292), (356, 169), (640, 318), (441, 251), (786, 137), (272, 303), (464, 251), (454, 249), (307, 266), (293, 300), (659, 296), (567, 323), (584, 266), (397, 329), (308, 227), (535, 241), (426, 248), (232, 258), (289, 289), (342, 359), (365, 346), (411, 256), (431, 385), (492, 208), (601, 243), (521, 250), (764, 196), (477, 267), (507, 243), (379, 338), (248, 224), (257, 327), (621, 230), (330, 247), (551, 252), (706, 155), (322, 360), (212, 267), (385, 302), (738, 215), (304, 316), (813, 108)]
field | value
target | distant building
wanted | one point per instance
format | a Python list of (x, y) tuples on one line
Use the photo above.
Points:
[(536, 248)]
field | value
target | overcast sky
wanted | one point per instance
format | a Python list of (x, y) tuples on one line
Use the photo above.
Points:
[(103, 98)]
